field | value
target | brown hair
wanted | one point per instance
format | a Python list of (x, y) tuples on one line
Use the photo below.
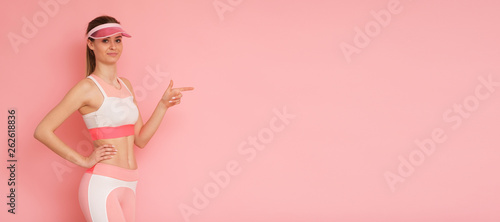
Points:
[(90, 54)]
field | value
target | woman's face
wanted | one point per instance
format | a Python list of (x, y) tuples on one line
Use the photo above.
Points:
[(107, 50)]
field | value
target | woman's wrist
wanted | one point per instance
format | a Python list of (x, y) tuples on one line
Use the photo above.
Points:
[(163, 104), (81, 161)]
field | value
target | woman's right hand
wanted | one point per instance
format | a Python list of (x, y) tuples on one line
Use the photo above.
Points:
[(103, 152)]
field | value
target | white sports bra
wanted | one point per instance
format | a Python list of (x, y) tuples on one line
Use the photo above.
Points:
[(117, 114)]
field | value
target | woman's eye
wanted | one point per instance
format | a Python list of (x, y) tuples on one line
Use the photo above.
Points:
[(118, 40), (105, 40)]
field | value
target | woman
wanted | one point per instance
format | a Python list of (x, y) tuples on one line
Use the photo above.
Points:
[(108, 106)]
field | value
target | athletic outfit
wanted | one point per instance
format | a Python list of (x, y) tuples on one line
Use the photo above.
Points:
[(107, 192)]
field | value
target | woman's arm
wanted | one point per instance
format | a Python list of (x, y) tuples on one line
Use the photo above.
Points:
[(144, 132), (77, 97)]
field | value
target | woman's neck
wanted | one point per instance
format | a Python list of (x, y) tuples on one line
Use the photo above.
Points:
[(106, 72)]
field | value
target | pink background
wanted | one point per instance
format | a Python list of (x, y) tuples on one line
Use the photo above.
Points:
[(355, 121)]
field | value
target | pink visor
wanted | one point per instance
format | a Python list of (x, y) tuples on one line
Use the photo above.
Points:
[(106, 30)]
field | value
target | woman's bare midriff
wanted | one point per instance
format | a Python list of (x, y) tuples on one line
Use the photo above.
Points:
[(124, 157)]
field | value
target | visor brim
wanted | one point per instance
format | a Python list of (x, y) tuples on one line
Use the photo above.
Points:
[(107, 32)]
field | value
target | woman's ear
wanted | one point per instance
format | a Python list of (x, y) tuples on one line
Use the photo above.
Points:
[(90, 44)]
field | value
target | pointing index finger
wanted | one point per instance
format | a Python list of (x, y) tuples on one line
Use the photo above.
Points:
[(185, 88)]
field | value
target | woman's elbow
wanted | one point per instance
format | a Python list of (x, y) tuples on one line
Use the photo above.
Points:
[(139, 143), (40, 133), (37, 133)]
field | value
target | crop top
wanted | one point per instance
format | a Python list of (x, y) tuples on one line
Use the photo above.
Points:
[(117, 114)]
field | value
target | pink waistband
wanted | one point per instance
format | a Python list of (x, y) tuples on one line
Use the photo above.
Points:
[(111, 132), (113, 171)]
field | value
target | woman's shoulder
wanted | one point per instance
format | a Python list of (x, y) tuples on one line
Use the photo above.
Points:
[(81, 92), (83, 87), (84, 84)]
